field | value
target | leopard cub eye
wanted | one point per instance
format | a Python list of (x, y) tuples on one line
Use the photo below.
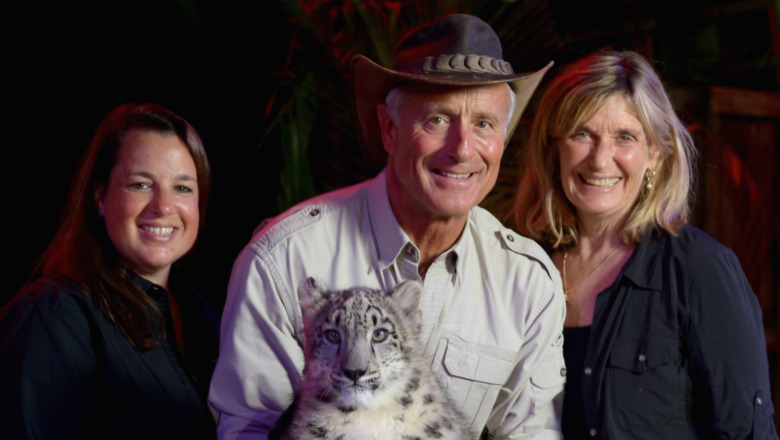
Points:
[(333, 336), (380, 335)]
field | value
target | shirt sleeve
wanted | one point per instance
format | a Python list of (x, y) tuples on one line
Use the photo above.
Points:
[(726, 350), (47, 369), (260, 360), (531, 402)]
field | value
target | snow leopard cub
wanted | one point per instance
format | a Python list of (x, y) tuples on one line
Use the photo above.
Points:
[(365, 376)]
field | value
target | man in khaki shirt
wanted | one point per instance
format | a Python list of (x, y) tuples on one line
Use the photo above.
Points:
[(493, 306)]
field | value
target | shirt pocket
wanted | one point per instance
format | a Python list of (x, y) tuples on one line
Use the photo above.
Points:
[(549, 378), (645, 383), (473, 375)]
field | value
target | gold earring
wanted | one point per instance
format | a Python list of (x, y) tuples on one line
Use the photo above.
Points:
[(650, 178)]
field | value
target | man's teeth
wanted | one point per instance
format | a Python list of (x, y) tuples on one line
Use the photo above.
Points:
[(604, 183), (453, 175), (159, 231)]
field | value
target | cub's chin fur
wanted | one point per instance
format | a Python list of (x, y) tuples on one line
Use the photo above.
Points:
[(365, 376)]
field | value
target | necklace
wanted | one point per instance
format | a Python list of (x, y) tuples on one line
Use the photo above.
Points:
[(566, 291)]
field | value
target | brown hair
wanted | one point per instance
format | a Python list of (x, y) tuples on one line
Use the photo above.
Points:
[(81, 249), (541, 209)]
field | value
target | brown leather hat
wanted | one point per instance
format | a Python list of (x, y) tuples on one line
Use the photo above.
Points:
[(456, 50)]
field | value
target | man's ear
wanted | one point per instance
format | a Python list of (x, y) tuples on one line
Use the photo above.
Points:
[(387, 127)]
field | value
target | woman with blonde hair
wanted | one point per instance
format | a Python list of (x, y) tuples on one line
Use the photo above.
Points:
[(663, 334)]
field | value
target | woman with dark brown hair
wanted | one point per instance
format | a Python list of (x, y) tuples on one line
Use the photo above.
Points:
[(104, 342)]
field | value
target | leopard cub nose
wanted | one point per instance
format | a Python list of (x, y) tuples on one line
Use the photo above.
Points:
[(354, 374)]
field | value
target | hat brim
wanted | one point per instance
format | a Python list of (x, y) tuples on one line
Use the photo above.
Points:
[(372, 82)]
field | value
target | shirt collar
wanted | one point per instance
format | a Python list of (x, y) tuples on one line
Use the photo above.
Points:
[(390, 238), (155, 291), (141, 282), (456, 255), (640, 268)]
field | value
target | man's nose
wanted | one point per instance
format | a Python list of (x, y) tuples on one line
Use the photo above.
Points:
[(459, 140)]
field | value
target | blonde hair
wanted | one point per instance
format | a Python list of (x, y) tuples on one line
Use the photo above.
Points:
[(541, 209)]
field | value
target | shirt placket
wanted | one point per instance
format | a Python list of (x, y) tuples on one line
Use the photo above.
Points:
[(435, 293)]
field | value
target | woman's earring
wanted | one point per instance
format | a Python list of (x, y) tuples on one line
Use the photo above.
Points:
[(650, 178)]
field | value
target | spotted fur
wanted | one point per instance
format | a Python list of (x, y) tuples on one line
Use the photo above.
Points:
[(365, 376)]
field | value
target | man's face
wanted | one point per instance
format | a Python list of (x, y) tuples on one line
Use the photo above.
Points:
[(444, 149)]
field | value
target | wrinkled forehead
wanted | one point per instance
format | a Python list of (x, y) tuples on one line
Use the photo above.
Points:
[(496, 93)]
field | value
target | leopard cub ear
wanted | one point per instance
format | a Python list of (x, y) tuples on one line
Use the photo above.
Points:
[(310, 293), (408, 296)]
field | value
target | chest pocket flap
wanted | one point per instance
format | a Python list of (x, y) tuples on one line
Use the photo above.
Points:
[(643, 355), (478, 363)]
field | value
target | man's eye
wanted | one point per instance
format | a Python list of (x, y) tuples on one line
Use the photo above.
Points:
[(483, 124), (140, 185), (333, 336), (437, 120)]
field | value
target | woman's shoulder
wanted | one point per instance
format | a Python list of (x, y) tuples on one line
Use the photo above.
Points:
[(50, 287), (692, 242), (51, 310), (53, 293), (692, 252)]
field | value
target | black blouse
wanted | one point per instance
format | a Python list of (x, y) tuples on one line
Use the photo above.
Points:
[(575, 342), (67, 372), (676, 349)]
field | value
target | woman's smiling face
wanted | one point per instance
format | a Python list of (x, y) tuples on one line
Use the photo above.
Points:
[(150, 203), (604, 161)]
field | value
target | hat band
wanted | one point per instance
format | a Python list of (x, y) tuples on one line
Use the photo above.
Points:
[(459, 63)]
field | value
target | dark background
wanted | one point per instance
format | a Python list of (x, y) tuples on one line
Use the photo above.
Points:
[(266, 83), (66, 64)]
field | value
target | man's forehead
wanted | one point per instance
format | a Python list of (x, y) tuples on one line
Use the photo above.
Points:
[(487, 96), (417, 88)]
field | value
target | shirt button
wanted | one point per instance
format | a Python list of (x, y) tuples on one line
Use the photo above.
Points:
[(510, 237), (642, 358), (759, 401), (563, 371), (592, 432), (588, 371)]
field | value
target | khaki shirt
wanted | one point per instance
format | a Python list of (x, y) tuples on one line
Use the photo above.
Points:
[(493, 313)]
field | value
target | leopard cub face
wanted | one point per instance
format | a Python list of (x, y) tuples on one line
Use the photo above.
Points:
[(365, 376), (358, 341)]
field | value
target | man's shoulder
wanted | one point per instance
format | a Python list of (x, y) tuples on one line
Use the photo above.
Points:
[(510, 242), (301, 219)]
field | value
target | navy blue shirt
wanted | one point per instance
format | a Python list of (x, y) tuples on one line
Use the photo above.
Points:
[(66, 372), (676, 349)]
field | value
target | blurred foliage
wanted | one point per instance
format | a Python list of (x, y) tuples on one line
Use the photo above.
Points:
[(309, 109)]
